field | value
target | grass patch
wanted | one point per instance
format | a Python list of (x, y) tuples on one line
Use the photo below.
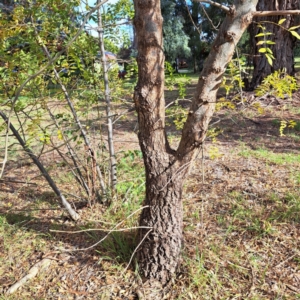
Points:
[(270, 156)]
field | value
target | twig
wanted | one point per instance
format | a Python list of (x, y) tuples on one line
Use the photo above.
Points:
[(112, 230), (16, 181), (135, 250), (112, 155), (31, 274), (274, 13), (187, 8), (209, 19), (283, 262), (223, 7), (41, 167), (101, 229), (4, 161)]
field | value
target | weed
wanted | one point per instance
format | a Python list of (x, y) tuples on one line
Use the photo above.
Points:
[(120, 245)]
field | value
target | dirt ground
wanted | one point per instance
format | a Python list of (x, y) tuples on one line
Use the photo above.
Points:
[(241, 222)]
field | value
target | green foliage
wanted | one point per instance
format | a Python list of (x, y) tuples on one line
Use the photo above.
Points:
[(130, 166), (287, 124), (175, 40), (278, 84), (264, 43), (214, 152), (232, 80)]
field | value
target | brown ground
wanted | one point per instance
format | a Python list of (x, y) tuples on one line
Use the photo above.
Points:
[(242, 219)]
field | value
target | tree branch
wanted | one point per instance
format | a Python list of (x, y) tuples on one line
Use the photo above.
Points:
[(223, 7), (275, 13), (41, 167), (255, 14)]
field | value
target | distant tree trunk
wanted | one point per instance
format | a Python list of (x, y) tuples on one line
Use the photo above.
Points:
[(166, 169), (285, 42)]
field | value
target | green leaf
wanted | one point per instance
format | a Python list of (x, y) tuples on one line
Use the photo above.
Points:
[(260, 43), (262, 50), (294, 27), (295, 34), (270, 61), (270, 43), (264, 34), (281, 21)]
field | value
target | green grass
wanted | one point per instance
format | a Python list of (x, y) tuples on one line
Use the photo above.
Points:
[(270, 156)]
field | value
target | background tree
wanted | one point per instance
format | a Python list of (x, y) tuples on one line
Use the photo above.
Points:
[(200, 25), (284, 41), (176, 42)]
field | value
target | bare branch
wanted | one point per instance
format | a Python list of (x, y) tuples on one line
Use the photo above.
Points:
[(187, 8), (223, 7), (275, 13), (112, 156), (41, 265), (135, 250), (5, 151), (209, 19), (41, 167), (110, 231), (100, 229)]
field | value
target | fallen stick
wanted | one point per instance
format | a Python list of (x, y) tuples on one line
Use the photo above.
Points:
[(44, 263)]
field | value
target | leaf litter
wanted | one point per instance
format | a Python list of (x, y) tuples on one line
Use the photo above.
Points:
[(241, 224)]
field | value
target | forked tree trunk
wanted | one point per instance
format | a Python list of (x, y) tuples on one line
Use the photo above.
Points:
[(284, 41), (166, 169)]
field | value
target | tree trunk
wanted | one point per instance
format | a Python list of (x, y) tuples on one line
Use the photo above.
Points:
[(166, 169), (284, 41)]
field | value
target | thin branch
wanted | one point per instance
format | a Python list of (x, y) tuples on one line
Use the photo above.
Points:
[(100, 229), (209, 19), (4, 161), (223, 7), (41, 167), (258, 14), (187, 8), (112, 230), (136, 249), (113, 163), (17, 181), (41, 265), (75, 116)]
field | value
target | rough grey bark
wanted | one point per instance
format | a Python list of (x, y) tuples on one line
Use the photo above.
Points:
[(284, 41), (54, 187), (166, 168)]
